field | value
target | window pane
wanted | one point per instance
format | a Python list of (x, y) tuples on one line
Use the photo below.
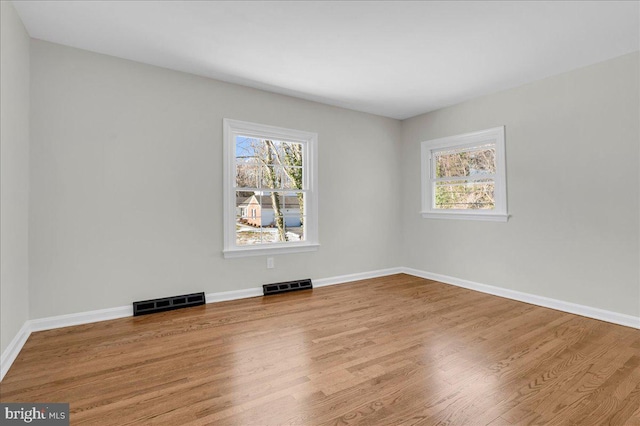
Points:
[(246, 205), (466, 162), (246, 148), (291, 177), (271, 151), (270, 177), (289, 153), (465, 195), (295, 227), (267, 201), (247, 175), (248, 220), (292, 210), (247, 232), (280, 177), (292, 201), (248, 162)]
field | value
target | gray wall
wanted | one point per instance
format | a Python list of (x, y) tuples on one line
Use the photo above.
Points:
[(126, 183), (14, 174), (124, 175), (572, 176)]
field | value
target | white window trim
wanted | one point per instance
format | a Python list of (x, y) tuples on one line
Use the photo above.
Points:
[(233, 128), (493, 135)]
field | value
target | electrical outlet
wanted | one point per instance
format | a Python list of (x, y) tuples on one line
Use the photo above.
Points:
[(270, 263)]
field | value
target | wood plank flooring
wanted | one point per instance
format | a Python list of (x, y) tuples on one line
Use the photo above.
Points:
[(396, 350)]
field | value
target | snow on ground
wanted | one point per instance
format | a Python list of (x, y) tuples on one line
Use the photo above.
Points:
[(248, 235)]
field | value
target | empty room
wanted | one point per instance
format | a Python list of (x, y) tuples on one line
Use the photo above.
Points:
[(320, 213)]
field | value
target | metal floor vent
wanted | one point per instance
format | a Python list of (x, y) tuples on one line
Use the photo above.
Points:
[(168, 303), (277, 288)]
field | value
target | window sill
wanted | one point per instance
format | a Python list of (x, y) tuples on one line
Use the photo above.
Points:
[(490, 217), (267, 251)]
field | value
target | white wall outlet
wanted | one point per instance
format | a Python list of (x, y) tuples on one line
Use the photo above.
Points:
[(270, 263)]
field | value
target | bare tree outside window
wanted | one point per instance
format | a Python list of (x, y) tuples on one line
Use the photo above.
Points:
[(471, 183), (268, 173)]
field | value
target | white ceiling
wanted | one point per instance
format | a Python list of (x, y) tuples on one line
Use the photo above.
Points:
[(397, 59)]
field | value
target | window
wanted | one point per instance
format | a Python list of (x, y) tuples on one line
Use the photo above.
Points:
[(270, 190), (464, 177)]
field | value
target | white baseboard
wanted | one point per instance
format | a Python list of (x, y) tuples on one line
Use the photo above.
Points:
[(233, 295), (341, 279), (79, 318), (560, 305), (322, 282), (15, 346), (11, 352)]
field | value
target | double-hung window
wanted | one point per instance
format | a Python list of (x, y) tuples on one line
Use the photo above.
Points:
[(270, 190), (464, 176)]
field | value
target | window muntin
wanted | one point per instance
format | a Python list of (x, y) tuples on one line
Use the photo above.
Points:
[(270, 173), (464, 176)]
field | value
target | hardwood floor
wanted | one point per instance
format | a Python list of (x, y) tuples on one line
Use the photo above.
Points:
[(393, 350)]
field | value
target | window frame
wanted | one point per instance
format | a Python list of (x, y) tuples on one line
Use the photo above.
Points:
[(495, 135), (309, 140)]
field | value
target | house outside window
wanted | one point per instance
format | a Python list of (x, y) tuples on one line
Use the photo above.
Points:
[(270, 190), (464, 177)]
